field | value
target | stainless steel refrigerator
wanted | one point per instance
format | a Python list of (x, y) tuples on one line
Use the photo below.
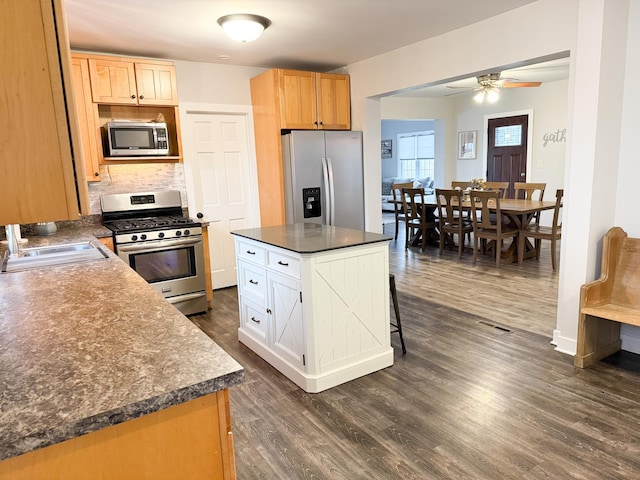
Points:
[(323, 181)]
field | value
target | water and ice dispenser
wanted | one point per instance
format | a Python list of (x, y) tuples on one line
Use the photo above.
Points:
[(311, 202)]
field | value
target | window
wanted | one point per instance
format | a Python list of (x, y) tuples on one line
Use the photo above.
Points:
[(415, 155)]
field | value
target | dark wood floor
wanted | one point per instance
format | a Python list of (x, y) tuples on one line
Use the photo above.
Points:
[(469, 400)]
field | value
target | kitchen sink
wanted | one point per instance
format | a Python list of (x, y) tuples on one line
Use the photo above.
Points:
[(40, 257)]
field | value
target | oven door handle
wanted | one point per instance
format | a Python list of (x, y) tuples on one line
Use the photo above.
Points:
[(139, 247)]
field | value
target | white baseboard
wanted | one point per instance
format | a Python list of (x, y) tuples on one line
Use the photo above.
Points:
[(564, 344)]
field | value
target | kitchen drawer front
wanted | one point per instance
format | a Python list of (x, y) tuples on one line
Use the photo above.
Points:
[(283, 264), (250, 251), (254, 320), (252, 282)]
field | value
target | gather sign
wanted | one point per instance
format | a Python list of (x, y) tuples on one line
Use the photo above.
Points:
[(555, 137)]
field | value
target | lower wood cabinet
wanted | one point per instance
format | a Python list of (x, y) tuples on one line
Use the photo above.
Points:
[(321, 319), (190, 440)]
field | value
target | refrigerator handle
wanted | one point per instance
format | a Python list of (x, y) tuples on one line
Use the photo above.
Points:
[(327, 191), (332, 201)]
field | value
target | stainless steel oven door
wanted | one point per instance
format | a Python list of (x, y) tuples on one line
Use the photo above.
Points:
[(174, 267)]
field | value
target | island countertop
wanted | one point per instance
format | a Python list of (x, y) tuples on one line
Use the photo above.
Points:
[(89, 345), (311, 237)]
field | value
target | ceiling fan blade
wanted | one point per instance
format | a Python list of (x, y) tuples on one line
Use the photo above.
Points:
[(468, 88), (458, 93), (520, 84)]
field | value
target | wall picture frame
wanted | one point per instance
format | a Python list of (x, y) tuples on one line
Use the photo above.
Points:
[(467, 144), (386, 149)]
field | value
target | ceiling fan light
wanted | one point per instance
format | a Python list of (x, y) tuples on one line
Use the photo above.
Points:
[(243, 27), (479, 97), (493, 95)]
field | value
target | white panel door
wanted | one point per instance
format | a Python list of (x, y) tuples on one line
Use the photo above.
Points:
[(219, 166)]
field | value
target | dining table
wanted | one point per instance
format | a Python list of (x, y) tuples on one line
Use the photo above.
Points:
[(518, 211)]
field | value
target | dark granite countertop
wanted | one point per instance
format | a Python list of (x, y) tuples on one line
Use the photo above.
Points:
[(311, 237), (88, 345)]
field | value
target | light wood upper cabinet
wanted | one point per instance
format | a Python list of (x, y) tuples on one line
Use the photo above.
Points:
[(334, 101), (298, 108), (156, 84), (37, 134), (87, 122), (314, 101), (133, 83), (113, 82)]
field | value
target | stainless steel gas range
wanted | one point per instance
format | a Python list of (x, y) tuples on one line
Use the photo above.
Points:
[(153, 237)]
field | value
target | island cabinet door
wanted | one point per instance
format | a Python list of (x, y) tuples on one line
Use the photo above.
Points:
[(287, 333)]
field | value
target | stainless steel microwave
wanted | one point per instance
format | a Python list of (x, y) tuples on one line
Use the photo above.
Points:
[(127, 139)]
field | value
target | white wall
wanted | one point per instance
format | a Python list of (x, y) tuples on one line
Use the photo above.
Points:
[(389, 131), (456, 54), (439, 109), (598, 155), (629, 164), (214, 83), (549, 105)]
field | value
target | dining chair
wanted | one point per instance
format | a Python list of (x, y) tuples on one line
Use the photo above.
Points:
[(451, 221), (396, 190), (460, 185), (528, 190), (502, 187), (487, 226), (415, 219), (541, 232)]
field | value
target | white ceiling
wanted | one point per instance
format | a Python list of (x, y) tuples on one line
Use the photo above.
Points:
[(318, 35)]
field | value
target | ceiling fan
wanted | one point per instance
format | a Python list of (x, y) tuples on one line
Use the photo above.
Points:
[(489, 85)]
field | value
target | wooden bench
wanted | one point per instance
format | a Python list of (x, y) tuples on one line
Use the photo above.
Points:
[(611, 300)]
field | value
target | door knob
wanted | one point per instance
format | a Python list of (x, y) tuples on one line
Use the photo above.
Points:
[(523, 174)]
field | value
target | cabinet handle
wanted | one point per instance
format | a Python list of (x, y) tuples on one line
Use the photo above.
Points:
[(96, 174), (250, 252), (269, 311), (133, 96), (253, 281), (255, 320), (141, 97), (280, 262)]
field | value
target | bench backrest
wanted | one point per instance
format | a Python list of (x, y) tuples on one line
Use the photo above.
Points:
[(626, 284)]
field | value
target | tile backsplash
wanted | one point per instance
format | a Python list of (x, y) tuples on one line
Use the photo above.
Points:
[(137, 178)]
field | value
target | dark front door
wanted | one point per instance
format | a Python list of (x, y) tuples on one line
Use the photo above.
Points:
[(507, 150)]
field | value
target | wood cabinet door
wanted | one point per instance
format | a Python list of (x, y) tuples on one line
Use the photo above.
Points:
[(113, 82), (37, 170), (334, 101), (89, 131), (156, 84), (286, 336), (298, 108)]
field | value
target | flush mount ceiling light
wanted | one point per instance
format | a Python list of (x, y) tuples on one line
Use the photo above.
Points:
[(243, 27)]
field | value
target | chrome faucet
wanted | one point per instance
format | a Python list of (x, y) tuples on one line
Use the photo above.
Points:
[(13, 237)]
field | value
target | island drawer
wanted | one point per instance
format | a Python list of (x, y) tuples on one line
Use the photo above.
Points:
[(250, 251), (283, 264), (252, 282), (253, 320)]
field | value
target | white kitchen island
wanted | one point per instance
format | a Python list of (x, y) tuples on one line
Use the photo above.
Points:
[(314, 301)]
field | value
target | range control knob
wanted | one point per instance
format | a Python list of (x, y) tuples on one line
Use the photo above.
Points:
[(178, 233), (187, 232), (134, 238), (161, 235), (143, 236)]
